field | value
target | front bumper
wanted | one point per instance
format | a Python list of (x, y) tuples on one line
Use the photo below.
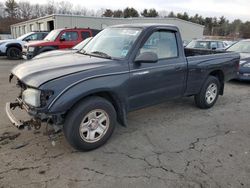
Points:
[(243, 76), (19, 124), (28, 55), (9, 107)]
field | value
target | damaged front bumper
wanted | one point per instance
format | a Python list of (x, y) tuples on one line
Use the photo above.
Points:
[(11, 106)]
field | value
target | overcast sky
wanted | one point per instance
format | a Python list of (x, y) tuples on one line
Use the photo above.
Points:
[(232, 9)]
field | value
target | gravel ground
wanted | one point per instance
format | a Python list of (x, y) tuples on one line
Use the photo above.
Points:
[(173, 144)]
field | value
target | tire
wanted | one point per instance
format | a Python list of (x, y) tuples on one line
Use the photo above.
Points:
[(85, 122), (209, 93), (14, 53)]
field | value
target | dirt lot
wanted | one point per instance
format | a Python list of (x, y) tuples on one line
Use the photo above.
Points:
[(173, 144)]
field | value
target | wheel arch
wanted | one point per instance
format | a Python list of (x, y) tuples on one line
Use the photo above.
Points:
[(221, 77), (110, 96), (17, 45)]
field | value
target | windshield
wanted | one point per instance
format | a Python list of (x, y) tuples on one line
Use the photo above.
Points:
[(241, 47), (112, 42), (82, 44), (52, 35), (24, 36), (198, 44)]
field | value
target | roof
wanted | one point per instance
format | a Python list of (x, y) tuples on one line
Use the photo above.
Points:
[(145, 25), (53, 16)]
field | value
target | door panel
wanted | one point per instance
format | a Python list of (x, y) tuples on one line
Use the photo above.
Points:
[(151, 83)]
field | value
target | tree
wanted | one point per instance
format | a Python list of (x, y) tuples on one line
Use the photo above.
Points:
[(64, 7), (11, 7), (108, 13), (130, 12), (149, 13), (25, 10), (50, 7), (118, 13), (2, 11), (171, 15)]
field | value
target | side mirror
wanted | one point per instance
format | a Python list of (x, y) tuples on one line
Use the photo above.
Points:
[(27, 40), (147, 57), (213, 48), (62, 39)]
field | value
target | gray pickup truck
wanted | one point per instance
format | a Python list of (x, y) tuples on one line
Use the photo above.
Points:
[(122, 69)]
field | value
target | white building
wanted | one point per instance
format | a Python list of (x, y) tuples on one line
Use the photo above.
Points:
[(188, 30)]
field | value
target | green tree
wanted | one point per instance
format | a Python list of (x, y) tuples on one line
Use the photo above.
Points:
[(130, 12), (11, 7), (118, 13), (108, 13), (171, 15), (149, 13)]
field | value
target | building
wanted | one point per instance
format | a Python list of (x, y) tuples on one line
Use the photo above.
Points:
[(188, 30)]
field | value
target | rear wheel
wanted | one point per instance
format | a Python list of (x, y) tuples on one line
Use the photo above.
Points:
[(208, 94), (90, 123), (14, 53)]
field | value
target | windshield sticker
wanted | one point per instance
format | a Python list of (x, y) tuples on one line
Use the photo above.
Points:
[(124, 53)]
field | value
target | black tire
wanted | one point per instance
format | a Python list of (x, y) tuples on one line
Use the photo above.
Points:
[(14, 53), (200, 99), (75, 117)]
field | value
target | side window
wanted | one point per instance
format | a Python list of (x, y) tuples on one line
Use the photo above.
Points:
[(85, 34), (213, 45), (220, 45), (69, 36), (31, 37), (163, 43)]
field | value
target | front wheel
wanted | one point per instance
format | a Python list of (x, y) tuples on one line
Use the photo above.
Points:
[(14, 53), (208, 94), (90, 123)]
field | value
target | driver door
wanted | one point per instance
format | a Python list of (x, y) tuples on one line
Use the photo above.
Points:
[(150, 83)]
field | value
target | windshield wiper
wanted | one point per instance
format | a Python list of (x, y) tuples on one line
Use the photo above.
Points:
[(102, 54)]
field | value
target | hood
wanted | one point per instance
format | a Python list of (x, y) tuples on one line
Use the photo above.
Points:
[(7, 40), (54, 53), (38, 71), (38, 42), (244, 56)]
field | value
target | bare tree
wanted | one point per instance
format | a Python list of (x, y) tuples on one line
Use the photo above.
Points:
[(51, 7), (38, 10), (25, 10), (64, 7), (2, 11), (80, 10)]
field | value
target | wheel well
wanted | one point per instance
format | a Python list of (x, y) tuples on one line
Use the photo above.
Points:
[(220, 75), (118, 105), (14, 45)]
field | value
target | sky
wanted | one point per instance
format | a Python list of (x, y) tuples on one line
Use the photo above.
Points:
[(232, 9)]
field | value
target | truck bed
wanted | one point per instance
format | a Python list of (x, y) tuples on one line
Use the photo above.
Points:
[(200, 62), (197, 52)]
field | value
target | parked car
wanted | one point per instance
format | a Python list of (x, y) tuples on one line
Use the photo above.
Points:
[(207, 44), (122, 69), (12, 48), (64, 51), (243, 47), (58, 39)]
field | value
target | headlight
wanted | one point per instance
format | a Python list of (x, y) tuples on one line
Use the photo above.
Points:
[(32, 97), (246, 65), (31, 49)]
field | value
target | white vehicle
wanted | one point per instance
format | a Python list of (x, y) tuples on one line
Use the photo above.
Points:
[(12, 48)]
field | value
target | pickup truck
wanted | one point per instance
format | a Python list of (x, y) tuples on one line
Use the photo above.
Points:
[(122, 69), (58, 39)]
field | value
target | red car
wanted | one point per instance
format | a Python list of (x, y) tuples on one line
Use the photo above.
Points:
[(58, 39)]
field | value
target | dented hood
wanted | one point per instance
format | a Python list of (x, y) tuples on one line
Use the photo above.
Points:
[(38, 71)]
